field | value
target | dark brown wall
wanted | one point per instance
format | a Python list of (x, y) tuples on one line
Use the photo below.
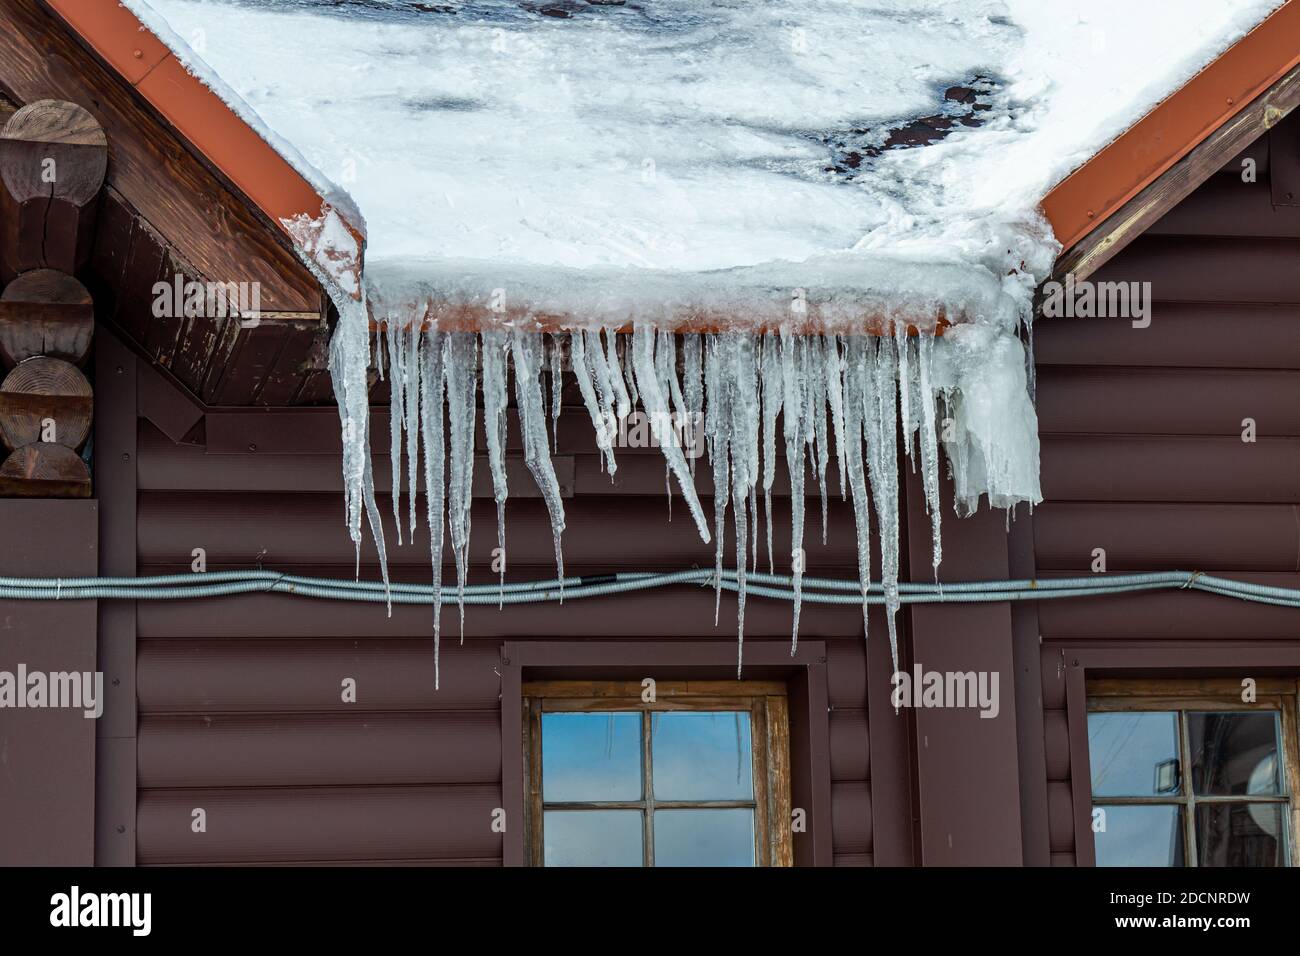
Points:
[(1142, 451), (47, 756), (239, 699)]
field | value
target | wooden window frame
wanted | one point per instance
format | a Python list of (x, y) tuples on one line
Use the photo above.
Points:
[(765, 701), (1279, 696)]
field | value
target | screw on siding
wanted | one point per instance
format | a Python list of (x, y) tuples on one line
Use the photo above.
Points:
[(126, 456), (252, 446), (120, 370), (121, 828)]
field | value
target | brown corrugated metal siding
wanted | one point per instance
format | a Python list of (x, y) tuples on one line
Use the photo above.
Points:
[(1142, 450), (239, 699)]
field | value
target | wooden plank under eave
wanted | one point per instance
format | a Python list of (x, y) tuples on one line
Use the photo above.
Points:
[(249, 364), (141, 272), (285, 379)]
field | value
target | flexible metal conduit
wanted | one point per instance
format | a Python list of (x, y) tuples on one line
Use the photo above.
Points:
[(171, 587)]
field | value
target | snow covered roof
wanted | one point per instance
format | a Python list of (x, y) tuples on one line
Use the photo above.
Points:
[(687, 160)]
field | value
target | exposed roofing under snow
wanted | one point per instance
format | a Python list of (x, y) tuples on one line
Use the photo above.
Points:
[(654, 160)]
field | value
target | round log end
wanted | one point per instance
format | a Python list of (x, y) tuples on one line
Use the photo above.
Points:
[(44, 470), (46, 312), (45, 400)]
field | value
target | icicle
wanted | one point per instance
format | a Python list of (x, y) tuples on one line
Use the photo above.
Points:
[(743, 430), (525, 348), (693, 393), (349, 364), (460, 371), (855, 373), (431, 423), (396, 416), (794, 381), (557, 398), (615, 372), (595, 406), (929, 444), (773, 394), (882, 423), (655, 405), (494, 346), (666, 366), (411, 390), (381, 329), (716, 424), (818, 433), (623, 347), (903, 349), (834, 370)]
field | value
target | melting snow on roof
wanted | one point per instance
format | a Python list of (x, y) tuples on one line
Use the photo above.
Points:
[(766, 166)]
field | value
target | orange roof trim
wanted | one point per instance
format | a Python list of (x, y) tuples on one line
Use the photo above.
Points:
[(198, 114), (1101, 186)]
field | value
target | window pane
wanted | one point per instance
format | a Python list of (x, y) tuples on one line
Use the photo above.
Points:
[(1133, 754), (588, 757), (1138, 836), (1241, 834), (704, 837), (592, 837), (1233, 753), (702, 756)]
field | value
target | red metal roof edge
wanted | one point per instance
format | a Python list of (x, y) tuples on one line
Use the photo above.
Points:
[(200, 116), (1177, 125)]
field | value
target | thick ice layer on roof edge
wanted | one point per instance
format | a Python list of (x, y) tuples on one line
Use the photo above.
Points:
[(841, 401)]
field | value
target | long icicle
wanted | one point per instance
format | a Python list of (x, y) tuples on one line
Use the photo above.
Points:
[(494, 346), (431, 422), (411, 393), (526, 349), (793, 374), (396, 417), (656, 408), (460, 370)]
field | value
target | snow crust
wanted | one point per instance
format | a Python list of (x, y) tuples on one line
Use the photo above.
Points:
[(658, 163)]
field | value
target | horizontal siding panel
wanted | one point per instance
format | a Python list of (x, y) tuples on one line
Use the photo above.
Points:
[(275, 675), (1193, 269), (684, 612), (851, 817), (1181, 335), (1168, 401), (852, 859), (1173, 469), (279, 528), (1171, 615), (280, 825), (1056, 744), (1060, 816), (1166, 537), (850, 745), (846, 664), (1226, 206), (164, 466), (309, 750)]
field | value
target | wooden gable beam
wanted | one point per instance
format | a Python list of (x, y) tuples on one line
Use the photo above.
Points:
[(1219, 148), (225, 237)]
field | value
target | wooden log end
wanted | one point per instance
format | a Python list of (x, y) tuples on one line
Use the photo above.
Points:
[(44, 470), (46, 312), (45, 400)]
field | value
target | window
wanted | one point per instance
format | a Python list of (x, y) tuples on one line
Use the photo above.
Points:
[(1193, 773), (696, 776)]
